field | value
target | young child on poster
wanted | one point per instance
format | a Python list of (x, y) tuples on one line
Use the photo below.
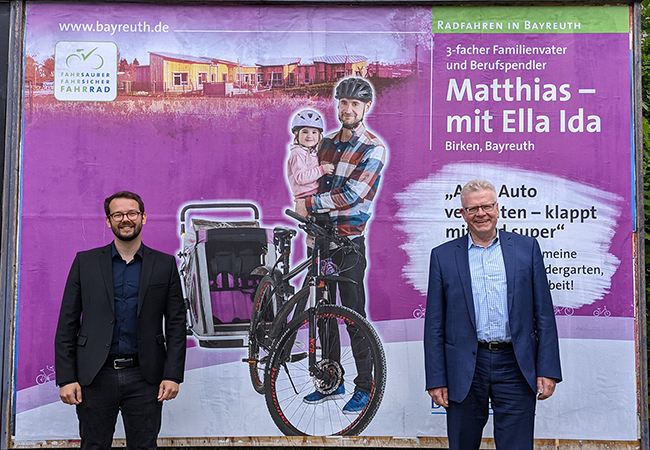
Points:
[(303, 169)]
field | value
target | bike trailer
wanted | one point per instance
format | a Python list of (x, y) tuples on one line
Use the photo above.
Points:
[(218, 258)]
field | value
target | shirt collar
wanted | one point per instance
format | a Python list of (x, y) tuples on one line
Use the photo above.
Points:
[(470, 241), (114, 251)]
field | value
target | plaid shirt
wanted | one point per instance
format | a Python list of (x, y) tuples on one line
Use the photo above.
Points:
[(347, 195)]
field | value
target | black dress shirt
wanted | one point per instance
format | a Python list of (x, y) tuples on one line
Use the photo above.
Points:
[(126, 286)]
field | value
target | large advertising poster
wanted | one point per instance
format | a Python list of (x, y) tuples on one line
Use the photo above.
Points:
[(191, 107)]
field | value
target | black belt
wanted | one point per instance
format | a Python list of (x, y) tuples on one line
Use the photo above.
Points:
[(122, 362), (494, 345)]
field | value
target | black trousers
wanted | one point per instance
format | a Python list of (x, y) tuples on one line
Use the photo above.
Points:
[(124, 390), (353, 295)]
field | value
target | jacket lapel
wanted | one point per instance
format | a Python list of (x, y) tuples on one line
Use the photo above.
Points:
[(462, 262), (148, 260), (106, 266), (508, 250)]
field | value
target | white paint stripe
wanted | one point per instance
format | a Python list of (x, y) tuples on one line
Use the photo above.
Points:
[(424, 206)]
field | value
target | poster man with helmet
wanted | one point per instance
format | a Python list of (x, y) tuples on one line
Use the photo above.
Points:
[(346, 196)]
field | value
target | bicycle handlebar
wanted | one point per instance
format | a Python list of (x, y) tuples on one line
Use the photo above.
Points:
[(295, 215), (311, 227)]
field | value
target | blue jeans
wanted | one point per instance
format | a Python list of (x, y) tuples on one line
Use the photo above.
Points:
[(124, 390)]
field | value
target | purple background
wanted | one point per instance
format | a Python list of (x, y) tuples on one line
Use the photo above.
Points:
[(76, 154)]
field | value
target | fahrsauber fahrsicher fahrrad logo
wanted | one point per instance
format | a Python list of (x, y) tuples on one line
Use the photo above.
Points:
[(85, 71)]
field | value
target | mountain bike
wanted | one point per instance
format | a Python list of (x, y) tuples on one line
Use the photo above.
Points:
[(321, 347)]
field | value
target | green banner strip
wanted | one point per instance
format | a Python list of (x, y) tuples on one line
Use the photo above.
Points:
[(531, 19)]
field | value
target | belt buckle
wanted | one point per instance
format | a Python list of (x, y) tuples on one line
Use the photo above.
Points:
[(490, 345), (118, 361)]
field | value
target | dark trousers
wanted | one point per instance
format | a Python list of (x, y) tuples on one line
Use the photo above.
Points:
[(353, 295), (499, 380), (123, 390)]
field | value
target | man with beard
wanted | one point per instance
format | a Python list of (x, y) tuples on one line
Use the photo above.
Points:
[(111, 352), (346, 198)]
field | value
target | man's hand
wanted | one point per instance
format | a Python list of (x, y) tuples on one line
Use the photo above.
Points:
[(71, 393), (301, 208), (440, 396), (545, 387), (168, 390)]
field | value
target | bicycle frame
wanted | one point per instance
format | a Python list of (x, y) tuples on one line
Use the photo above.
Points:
[(307, 298)]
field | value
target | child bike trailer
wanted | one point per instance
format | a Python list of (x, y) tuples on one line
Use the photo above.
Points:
[(217, 260)]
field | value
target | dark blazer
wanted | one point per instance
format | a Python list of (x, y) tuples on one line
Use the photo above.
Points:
[(450, 341), (85, 328)]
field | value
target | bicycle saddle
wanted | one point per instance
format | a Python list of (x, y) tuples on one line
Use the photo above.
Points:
[(282, 232)]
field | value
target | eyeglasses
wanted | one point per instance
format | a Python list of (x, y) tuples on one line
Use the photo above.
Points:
[(131, 215), (474, 209)]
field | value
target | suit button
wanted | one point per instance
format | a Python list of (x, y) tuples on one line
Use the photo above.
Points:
[(112, 321), (108, 344)]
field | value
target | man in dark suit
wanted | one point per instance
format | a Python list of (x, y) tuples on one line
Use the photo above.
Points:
[(490, 333), (111, 352)]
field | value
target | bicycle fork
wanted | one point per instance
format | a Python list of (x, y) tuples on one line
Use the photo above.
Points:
[(323, 369)]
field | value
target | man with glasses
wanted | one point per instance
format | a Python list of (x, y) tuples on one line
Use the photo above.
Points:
[(120, 341), (490, 333)]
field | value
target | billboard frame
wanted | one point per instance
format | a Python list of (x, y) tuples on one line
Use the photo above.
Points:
[(12, 16)]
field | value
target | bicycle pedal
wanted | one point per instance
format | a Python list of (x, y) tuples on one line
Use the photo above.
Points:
[(298, 357), (253, 361)]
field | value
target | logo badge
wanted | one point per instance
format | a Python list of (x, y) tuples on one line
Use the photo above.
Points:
[(85, 71)]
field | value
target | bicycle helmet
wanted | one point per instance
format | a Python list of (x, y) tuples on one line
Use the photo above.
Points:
[(307, 118), (354, 87)]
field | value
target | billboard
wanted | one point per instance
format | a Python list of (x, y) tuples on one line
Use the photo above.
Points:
[(192, 106)]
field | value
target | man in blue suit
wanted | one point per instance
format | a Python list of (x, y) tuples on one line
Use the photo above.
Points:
[(490, 333)]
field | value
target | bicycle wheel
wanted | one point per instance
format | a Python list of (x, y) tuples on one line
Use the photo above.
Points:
[(258, 340), (288, 378), (268, 312)]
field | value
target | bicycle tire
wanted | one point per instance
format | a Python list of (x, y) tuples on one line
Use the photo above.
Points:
[(261, 318), (288, 378), (264, 328)]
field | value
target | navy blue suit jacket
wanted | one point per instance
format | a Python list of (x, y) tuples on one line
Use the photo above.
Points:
[(450, 341)]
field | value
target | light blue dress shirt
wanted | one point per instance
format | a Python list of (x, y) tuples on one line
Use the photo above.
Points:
[(490, 291)]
